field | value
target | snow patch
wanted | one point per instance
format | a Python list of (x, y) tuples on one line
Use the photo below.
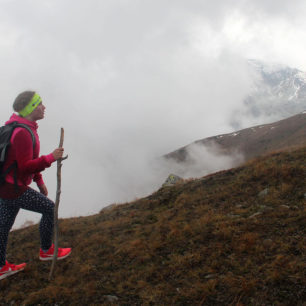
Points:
[(302, 75)]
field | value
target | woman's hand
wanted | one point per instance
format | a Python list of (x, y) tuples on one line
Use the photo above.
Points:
[(43, 189), (58, 153)]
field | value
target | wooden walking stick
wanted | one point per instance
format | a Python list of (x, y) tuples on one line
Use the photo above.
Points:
[(57, 200)]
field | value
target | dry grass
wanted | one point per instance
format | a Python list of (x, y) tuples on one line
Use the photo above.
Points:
[(208, 241)]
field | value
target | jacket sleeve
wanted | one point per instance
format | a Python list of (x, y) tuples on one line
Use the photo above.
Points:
[(23, 147), (38, 179)]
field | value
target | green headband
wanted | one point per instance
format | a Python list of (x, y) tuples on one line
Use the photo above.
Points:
[(31, 106)]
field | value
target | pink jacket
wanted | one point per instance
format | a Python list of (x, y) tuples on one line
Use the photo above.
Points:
[(28, 162)]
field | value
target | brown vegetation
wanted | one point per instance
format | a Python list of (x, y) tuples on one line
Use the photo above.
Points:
[(236, 237)]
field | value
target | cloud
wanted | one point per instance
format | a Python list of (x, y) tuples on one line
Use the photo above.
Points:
[(132, 80), (201, 160)]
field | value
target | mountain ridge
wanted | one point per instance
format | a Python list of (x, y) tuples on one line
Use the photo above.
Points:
[(252, 142)]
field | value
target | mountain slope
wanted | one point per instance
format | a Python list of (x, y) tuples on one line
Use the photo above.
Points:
[(235, 237), (254, 141)]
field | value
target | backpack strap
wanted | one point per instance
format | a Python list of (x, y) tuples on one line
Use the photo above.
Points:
[(16, 124), (3, 151)]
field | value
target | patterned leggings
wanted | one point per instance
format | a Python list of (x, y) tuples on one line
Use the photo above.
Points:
[(29, 200)]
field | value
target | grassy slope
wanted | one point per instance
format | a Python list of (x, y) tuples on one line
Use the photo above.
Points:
[(192, 244)]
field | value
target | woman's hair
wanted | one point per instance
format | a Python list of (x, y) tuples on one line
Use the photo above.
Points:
[(22, 100)]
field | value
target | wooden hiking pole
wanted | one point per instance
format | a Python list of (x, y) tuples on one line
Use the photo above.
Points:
[(57, 200)]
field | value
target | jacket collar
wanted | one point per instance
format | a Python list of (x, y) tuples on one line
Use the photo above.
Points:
[(15, 117)]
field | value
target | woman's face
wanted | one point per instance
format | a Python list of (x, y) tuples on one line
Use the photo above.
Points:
[(39, 112)]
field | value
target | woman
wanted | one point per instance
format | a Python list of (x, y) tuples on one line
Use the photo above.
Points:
[(15, 193)]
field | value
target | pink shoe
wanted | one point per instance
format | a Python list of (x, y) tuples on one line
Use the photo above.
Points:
[(61, 254), (10, 269)]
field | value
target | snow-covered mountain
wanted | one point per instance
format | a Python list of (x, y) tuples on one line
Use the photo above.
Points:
[(278, 92)]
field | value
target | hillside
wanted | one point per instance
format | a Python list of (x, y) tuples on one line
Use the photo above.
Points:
[(236, 237), (254, 141)]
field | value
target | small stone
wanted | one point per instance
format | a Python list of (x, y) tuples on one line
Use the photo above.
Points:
[(111, 298), (264, 192), (233, 216), (255, 215), (285, 206), (267, 243), (109, 207), (210, 276), (172, 180)]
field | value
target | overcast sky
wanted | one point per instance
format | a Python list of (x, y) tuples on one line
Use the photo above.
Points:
[(131, 80)]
